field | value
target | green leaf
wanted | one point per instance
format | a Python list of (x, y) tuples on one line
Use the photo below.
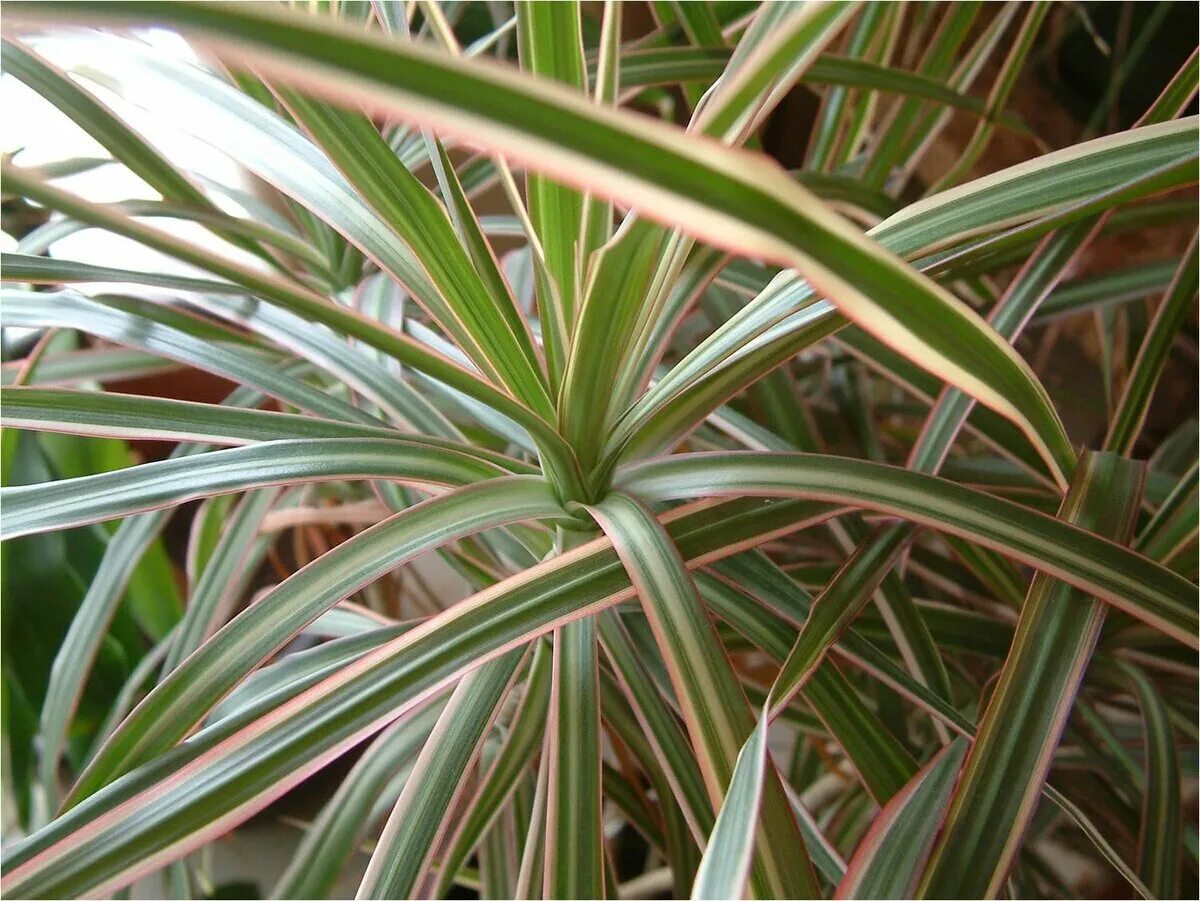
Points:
[(782, 41), (72, 502), (889, 860), (310, 305), (851, 587), (1106, 289), (339, 827), (437, 777), (715, 194), (872, 40), (123, 143), (384, 320), (674, 415), (726, 862), (1160, 845), (348, 645), (699, 22), (1015, 195), (396, 399), (111, 414), (1178, 93), (993, 801), (1020, 46), (283, 750), (224, 575), (597, 212), (880, 761), (67, 309), (938, 57), (133, 540), (664, 754), (1173, 521), (100, 364), (503, 776), (781, 44), (1152, 356), (184, 697), (602, 339), (714, 708), (575, 848), (670, 65), (835, 608), (1120, 577), (271, 231), (484, 323), (550, 46), (20, 267)]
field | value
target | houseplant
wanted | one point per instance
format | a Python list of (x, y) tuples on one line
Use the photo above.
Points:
[(786, 576)]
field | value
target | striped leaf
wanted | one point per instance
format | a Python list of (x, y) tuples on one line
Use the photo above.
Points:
[(504, 773), (283, 750), (862, 573), (115, 415), (80, 645), (305, 303), (1139, 387), (125, 144), (747, 208), (714, 708), (550, 46), (575, 850), (485, 324), (726, 862), (1160, 846), (183, 699), (72, 502), (892, 855), (833, 610), (609, 408), (1023, 722), (436, 779), (1082, 558), (333, 835)]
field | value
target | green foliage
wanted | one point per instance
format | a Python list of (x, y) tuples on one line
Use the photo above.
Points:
[(783, 575)]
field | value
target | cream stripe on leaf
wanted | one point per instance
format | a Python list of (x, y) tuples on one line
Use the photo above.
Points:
[(724, 196)]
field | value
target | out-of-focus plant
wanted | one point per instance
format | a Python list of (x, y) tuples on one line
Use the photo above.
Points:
[(786, 578)]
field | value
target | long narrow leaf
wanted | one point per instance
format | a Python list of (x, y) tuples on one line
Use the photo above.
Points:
[(1086, 560), (1024, 720), (72, 502), (378, 688), (332, 837), (574, 861), (502, 777), (890, 858), (1160, 845), (551, 47), (1152, 356), (718, 718), (189, 692), (759, 214), (436, 779), (726, 862)]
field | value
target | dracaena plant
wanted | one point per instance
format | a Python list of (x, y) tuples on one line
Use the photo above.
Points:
[(785, 576)]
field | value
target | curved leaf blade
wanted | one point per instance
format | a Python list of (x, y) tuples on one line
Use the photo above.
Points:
[(716, 193), (72, 502), (889, 860), (184, 697), (994, 800), (714, 707), (726, 862), (1112, 572)]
